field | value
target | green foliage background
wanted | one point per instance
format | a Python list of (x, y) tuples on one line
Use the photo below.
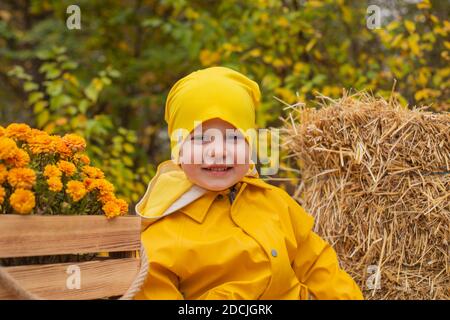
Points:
[(109, 80)]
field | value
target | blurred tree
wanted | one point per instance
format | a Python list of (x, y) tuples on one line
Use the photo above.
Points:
[(292, 48)]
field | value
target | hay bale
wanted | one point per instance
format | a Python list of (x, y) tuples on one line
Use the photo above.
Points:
[(376, 176)]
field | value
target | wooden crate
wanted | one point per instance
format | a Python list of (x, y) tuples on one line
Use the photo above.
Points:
[(27, 236)]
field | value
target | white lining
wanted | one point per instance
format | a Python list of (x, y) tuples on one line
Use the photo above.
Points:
[(189, 196)]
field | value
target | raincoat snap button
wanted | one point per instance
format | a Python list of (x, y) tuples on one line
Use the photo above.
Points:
[(220, 197), (274, 253)]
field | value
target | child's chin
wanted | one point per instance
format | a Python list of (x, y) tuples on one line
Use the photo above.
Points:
[(216, 184)]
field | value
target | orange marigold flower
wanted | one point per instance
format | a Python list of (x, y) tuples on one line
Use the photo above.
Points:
[(75, 142), (93, 172), (2, 131), (104, 186), (54, 184), (76, 190), (22, 201), (90, 184), (20, 160), (3, 173), (107, 197), (60, 147), (41, 143), (83, 159), (123, 205), (67, 168), (35, 132), (8, 148), (52, 171), (111, 209), (2, 195), (18, 131), (21, 178)]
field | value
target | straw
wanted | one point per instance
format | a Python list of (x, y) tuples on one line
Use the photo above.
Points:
[(376, 176)]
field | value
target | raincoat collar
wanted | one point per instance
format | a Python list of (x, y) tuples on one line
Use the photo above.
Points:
[(170, 191)]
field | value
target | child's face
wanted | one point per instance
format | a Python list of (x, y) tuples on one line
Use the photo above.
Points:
[(215, 157)]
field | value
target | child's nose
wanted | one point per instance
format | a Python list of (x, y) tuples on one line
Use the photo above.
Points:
[(217, 151)]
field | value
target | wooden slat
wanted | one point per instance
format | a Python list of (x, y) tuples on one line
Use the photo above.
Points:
[(24, 236), (99, 279)]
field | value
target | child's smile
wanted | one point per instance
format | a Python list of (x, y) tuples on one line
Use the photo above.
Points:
[(218, 170)]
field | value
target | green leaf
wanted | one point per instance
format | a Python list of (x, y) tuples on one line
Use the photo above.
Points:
[(53, 73), (93, 89), (45, 54), (43, 118), (35, 96), (62, 58), (127, 161), (47, 66), (72, 111), (59, 101), (106, 81), (83, 106), (131, 137), (128, 148), (19, 72), (113, 73), (40, 106), (54, 88), (69, 65), (30, 86)]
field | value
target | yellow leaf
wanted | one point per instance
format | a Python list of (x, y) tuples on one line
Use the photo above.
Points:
[(310, 44), (422, 79), (283, 22), (264, 17), (208, 58), (414, 46), (267, 59), (434, 18), (424, 4), (393, 25), (255, 53), (397, 39), (410, 26), (314, 4), (191, 14)]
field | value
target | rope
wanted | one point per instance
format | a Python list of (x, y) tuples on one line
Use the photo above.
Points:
[(10, 284), (140, 277)]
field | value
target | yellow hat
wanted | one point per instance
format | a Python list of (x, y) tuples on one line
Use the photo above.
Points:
[(216, 92)]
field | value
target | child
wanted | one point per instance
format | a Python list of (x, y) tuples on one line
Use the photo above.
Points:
[(212, 228)]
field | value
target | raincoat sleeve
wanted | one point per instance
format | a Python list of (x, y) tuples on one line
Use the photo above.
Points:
[(316, 263), (162, 282)]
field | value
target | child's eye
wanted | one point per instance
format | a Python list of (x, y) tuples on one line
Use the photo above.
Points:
[(234, 138), (201, 138)]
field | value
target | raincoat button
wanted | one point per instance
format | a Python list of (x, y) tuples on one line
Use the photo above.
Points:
[(274, 253), (220, 197)]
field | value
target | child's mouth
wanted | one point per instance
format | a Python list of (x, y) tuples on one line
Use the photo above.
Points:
[(217, 170)]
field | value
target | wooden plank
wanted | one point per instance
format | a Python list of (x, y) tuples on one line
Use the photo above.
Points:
[(25, 236), (98, 279)]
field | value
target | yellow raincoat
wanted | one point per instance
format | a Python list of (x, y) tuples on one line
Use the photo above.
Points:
[(250, 242), (260, 246)]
